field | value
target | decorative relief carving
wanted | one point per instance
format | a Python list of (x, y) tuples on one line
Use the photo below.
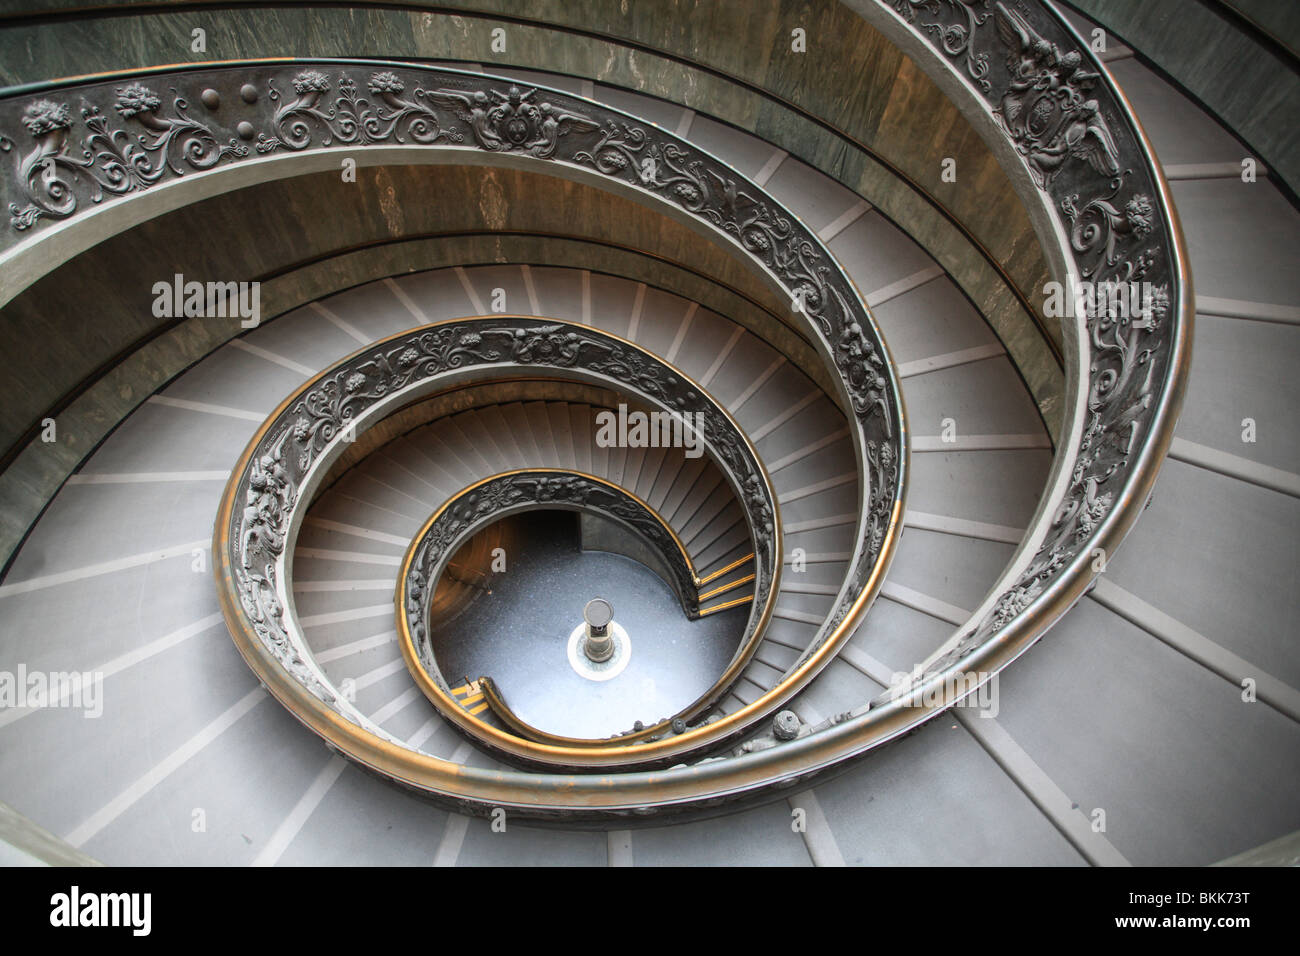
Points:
[(55, 170), (350, 118), (1045, 106), (511, 120), (954, 37), (341, 105), (292, 445), (269, 494), (1067, 126), (347, 106), (1071, 132)]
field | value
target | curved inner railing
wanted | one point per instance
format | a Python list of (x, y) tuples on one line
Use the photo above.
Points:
[(471, 509), (74, 168), (289, 457), (489, 500)]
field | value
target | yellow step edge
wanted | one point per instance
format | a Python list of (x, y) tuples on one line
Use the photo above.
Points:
[(721, 571), (726, 604), (730, 585)]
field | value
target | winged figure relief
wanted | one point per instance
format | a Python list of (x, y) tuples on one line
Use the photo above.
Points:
[(472, 108), (731, 196), (509, 121), (1044, 107), (1084, 136), (1028, 52), (554, 123)]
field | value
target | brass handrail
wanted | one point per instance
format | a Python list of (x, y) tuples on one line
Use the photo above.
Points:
[(399, 114), (412, 615), (274, 485), (1105, 467)]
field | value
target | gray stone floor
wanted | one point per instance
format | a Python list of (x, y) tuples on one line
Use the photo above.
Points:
[(517, 635)]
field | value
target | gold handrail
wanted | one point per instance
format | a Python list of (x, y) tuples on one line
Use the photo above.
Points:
[(449, 707)]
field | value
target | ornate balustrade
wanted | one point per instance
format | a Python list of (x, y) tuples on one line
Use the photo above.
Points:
[(290, 455), (1043, 103), (491, 499), (103, 152)]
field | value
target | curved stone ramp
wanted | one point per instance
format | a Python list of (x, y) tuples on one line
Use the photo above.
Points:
[(152, 486), (813, 475)]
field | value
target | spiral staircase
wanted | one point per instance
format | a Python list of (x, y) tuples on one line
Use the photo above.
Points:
[(898, 499)]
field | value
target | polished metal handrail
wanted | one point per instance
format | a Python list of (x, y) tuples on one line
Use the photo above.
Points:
[(559, 488), (450, 116), (290, 454), (472, 508), (96, 168), (1102, 206), (1104, 213)]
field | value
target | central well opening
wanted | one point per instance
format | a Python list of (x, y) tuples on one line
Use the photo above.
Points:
[(514, 596)]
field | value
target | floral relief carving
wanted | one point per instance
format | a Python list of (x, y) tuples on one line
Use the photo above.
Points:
[(293, 445), (351, 117), (128, 137), (322, 107), (1055, 110), (112, 160), (1063, 121)]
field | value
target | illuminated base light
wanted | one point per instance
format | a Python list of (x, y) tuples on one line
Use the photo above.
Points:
[(599, 671)]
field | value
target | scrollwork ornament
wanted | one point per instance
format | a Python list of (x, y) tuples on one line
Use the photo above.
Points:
[(1060, 117), (324, 413), (313, 106), (134, 135), (954, 37), (111, 159)]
